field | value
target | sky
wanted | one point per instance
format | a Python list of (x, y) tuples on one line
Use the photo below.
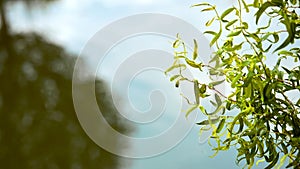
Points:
[(72, 23)]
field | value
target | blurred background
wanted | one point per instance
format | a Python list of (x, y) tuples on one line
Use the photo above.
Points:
[(38, 124), (39, 43)]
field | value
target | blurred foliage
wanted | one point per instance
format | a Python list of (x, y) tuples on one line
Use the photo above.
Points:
[(38, 124), (29, 3), (266, 126)]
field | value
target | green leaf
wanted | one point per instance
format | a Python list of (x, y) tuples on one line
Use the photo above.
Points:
[(262, 9), (241, 123), (176, 43), (233, 82), (174, 77), (225, 13), (256, 3), (255, 37), (212, 72), (228, 105), (234, 33), (277, 2), (196, 91), (286, 69), (235, 47), (285, 52), (188, 112), (234, 122), (298, 102), (207, 122), (288, 40), (177, 83), (220, 126), (210, 32), (208, 9), (201, 4), (203, 110), (218, 100), (193, 64), (217, 36), (230, 23), (213, 103), (246, 26), (195, 53), (267, 49), (174, 67), (203, 89), (276, 37), (273, 163), (260, 146), (216, 83), (179, 57), (208, 23), (291, 29), (245, 5), (218, 109)]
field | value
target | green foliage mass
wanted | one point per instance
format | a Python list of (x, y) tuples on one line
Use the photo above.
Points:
[(266, 126)]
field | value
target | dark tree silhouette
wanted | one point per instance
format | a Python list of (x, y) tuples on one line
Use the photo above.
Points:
[(38, 124)]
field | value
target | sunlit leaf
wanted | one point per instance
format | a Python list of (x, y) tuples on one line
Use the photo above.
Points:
[(210, 32), (196, 91), (201, 4), (176, 43), (195, 53), (175, 66), (208, 9), (230, 23), (233, 82), (202, 109), (208, 23), (188, 112), (225, 13), (245, 5), (234, 33), (215, 38), (193, 64), (174, 77)]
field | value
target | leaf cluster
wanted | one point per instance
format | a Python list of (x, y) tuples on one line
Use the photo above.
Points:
[(266, 126)]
